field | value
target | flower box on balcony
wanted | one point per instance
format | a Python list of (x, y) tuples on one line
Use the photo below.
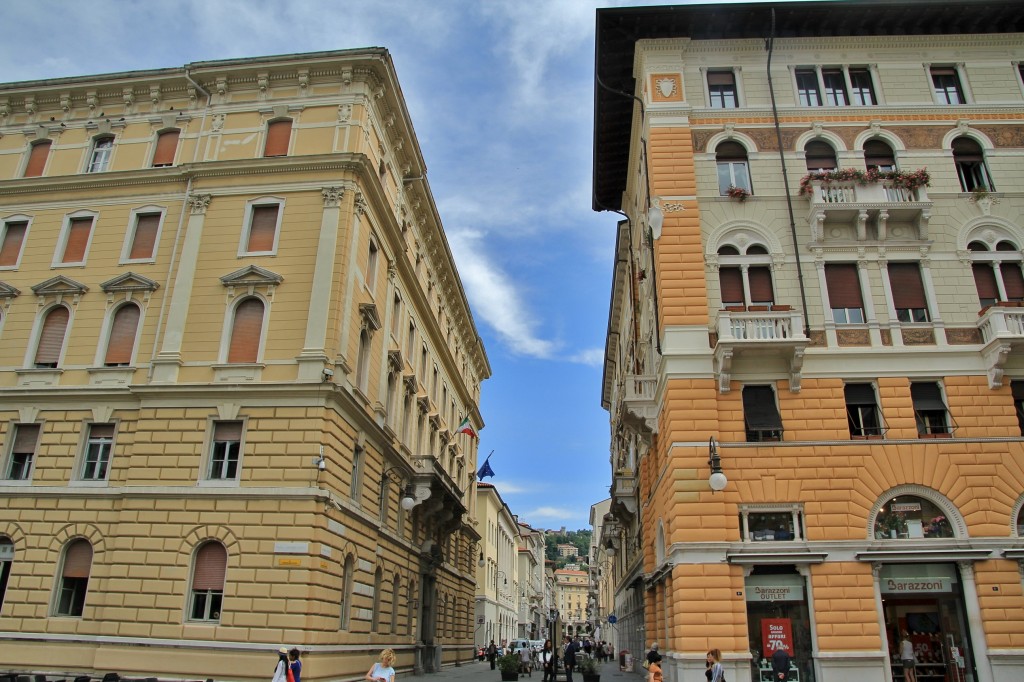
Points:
[(781, 308), (735, 308), (757, 308)]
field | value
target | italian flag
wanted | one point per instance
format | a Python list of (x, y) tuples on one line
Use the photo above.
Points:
[(464, 427)]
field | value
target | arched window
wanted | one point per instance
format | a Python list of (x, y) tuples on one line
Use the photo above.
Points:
[(74, 578), (733, 171), (378, 580), (396, 586), (207, 594), (37, 156), (910, 517), (347, 582), (997, 273), (166, 146), (121, 342), (99, 155), (971, 170), (278, 136), (1019, 523), (246, 331), (363, 361), (51, 337), (6, 559), (745, 279), (879, 155), (820, 156)]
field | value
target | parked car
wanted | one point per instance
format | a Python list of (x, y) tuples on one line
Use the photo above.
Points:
[(537, 644)]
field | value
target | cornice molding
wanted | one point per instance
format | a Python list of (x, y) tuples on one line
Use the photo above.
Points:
[(859, 44)]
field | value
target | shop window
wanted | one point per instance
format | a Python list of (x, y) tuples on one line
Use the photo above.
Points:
[(807, 87), (278, 137), (37, 156), (6, 560), (98, 446), (166, 146), (911, 517), (820, 156), (123, 330), (225, 451), (23, 452), (74, 579), (861, 88), (971, 169), (50, 344), (844, 296), (1017, 388), (12, 238), (722, 92), (908, 295), (862, 413), (771, 525), (206, 597), (930, 412), (733, 171), (761, 415), (878, 155), (946, 84)]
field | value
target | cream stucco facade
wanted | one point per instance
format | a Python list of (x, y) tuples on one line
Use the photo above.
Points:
[(232, 340)]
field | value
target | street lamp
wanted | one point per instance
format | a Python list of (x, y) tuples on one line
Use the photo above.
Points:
[(717, 479), (408, 491)]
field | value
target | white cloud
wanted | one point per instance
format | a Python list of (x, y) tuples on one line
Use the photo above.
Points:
[(590, 356), (512, 488), (557, 513)]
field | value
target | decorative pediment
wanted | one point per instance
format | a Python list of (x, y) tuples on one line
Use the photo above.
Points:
[(250, 278), (7, 291), (370, 317), (129, 282), (58, 287)]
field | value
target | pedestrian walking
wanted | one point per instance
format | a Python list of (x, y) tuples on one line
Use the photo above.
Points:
[(492, 653), (383, 670), (715, 671), (569, 659), (908, 658), (652, 656), (281, 667), (295, 665), (654, 673)]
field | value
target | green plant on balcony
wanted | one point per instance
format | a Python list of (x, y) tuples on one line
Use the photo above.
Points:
[(980, 192), (897, 178)]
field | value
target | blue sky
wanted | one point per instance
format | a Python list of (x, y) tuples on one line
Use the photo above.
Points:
[(501, 96)]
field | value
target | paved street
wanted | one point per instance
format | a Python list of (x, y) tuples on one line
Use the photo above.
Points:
[(481, 670)]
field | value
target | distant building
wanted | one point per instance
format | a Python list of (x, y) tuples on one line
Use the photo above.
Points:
[(572, 588), (497, 602), (567, 550)]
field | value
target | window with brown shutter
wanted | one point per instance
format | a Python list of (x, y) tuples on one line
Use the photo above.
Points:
[(77, 560), (262, 229), (211, 567), (246, 331), (1013, 281), (13, 238), (879, 155), (844, 297), (761, 292), (51, 338), (26, 438), (731, 282), (37, 159), (122, 336), (166, 146), (908, 292), (79, 231), (985, 282), (820, 156), (74, 579), (144, 239), (278, 134)]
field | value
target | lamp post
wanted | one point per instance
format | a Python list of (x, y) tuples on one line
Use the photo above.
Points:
[(717, 479)]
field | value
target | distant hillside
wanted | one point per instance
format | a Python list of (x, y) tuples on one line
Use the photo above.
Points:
[(579, 538)]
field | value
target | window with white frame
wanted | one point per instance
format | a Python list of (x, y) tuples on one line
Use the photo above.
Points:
[(262, 228), (722, 92), (225, 450), (997, 271), (99, 444), (733, 169), (12, 240), (862, 89), (50, 343), (842, 282), (842, 86), (745, 279), (206, 598), (74, 579), (99, 154), (807, 90), (971, 169), (24, 442), (124, 327), (143, 232), (75, 239), (771, 523), (946, 85)]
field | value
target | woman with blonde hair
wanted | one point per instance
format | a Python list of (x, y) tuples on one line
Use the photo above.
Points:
[(716, 669), (382, 671)]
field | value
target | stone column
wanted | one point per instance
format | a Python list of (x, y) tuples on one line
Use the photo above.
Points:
[(974, 622), (313, 357)]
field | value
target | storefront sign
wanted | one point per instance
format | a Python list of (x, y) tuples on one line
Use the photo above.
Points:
[(775, 593), (776, 633), (916, 585), (905, 506)]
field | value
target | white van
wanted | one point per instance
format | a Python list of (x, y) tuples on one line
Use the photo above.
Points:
[(537, 644), (519, 644)]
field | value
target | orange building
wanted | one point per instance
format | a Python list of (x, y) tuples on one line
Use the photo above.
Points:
[(813, 365)]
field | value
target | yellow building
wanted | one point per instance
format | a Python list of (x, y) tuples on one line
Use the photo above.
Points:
[(813, 366), (497, 575), (572, 589), (234, 355)]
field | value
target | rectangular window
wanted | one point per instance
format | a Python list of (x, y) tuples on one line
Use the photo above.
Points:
[(844, 295), (77, 241), (985, 283), (733, 174), (37, 159), (147, 225), (946, 82), (771, 526), (278, 136), (807, 87), (835, 88), (206, 605), (225, 450), (862, 412), (262, 229), (930, 411), (730, 280), (908, 292), (371, 265), (71, 600), (722, 90), (861, 88), (761, 415), (1017, 387), (23, 451), (12, 237), (99, 159), (166, 146), (97, 452)]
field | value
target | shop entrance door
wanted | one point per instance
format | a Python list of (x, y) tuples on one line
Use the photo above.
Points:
[(778, 617), (924, 602)]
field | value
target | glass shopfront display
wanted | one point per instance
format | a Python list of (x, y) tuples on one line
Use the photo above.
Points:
[(778, 617), (925, 604)]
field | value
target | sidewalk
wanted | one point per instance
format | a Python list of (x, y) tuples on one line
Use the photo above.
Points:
[(481, 670)]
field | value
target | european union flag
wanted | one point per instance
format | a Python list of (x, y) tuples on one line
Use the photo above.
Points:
[(485, 470)]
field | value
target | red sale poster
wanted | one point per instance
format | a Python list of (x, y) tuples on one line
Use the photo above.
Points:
[(776, 633)]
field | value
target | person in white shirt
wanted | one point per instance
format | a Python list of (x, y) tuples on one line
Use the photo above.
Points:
[(908, 658), (383, 671)]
